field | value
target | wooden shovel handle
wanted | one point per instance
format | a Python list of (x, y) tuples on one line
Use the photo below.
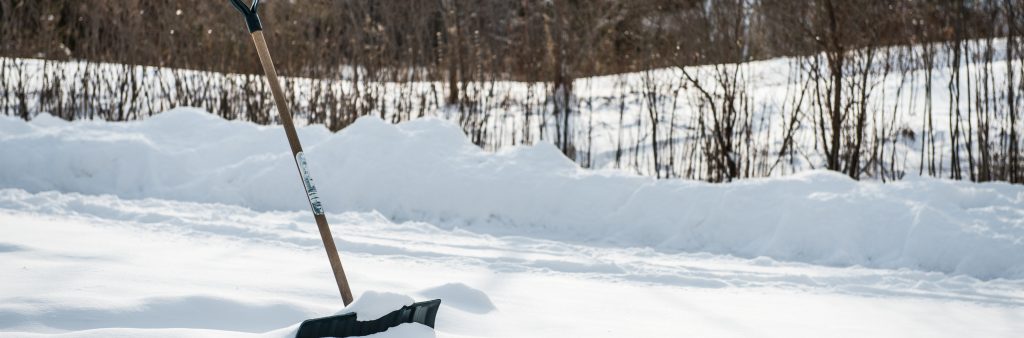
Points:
[(293, 141)]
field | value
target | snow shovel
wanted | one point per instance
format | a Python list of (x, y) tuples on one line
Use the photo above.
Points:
[(335, 326)]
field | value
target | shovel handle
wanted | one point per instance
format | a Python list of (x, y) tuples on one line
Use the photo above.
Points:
[(255, 29), (252, 19)]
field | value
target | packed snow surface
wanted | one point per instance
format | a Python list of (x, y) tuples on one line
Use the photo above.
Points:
[(188, 225), (102, 266)]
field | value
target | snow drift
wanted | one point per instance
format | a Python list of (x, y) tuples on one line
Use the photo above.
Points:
[(427, 170)]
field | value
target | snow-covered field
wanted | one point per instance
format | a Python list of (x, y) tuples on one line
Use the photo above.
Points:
[(612, 126), (188, 225)]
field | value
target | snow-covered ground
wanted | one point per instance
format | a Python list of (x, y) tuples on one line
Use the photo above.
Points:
[(188, 225), (612, 126)]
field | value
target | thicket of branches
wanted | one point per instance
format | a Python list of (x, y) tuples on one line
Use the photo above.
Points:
[(404, 59)]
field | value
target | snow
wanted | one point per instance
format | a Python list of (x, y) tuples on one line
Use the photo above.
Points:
[(188, 225), (426, 170), (613, 112), (100, 266)]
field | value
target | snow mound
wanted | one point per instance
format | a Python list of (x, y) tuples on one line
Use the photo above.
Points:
[(427, 170), (374, 304), (462, 297), (413, 330)]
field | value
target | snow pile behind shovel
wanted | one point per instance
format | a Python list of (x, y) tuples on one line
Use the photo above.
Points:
[(427, 170)]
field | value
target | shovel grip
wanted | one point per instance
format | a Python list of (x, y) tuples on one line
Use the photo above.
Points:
[(252, 19)]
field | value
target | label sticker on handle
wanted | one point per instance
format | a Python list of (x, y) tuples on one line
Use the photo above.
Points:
[(307, 181)]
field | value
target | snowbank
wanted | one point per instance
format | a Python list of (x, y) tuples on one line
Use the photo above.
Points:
[(427, 170)]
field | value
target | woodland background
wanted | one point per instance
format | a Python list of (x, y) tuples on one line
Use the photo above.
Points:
[(478, 61)]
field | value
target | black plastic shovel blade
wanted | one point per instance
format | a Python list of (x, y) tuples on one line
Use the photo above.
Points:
[(346, 325)]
